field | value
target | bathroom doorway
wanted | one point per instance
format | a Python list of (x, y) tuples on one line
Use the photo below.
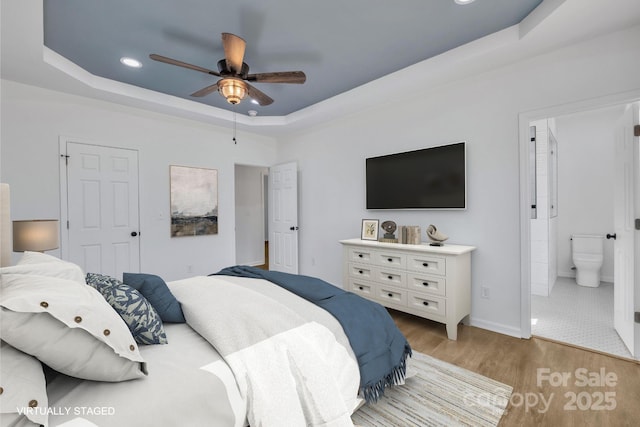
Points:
[(251, 207), (570, 189)]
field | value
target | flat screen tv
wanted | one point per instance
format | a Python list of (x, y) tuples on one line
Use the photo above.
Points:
[(431, 178)]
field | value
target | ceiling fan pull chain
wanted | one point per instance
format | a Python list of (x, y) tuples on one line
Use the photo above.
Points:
[(234, 127)]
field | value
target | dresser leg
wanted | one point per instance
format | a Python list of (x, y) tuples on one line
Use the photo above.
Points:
[(452, 331)]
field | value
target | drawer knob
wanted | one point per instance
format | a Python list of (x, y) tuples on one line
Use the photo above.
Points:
[(425, 264), (425, 303), (425, 283), (361, 272), (390, 277), (390, 259), (390, 295), (360, 255), (360, 287)]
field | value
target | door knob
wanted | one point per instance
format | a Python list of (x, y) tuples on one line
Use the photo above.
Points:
[(134, 234), (611, 236), (293, 228)]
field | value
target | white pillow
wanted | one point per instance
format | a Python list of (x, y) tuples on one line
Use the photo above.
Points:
[(46, 265), (71, 328), (24, 392), (29, 257)]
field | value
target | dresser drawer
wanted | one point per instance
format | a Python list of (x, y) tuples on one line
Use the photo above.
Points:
[(391, 259), (391, 277), (362, 288), (427, 303), (428, 281), (433, 285), (361, 255), (392, 295), (362, 271), (427, 264)]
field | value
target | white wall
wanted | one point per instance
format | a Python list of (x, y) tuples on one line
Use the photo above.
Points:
[(586, 168), (32, 121), (482, 111), (543, 237), (250, 212)]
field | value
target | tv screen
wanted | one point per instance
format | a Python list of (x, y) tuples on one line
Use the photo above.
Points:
[(431, 178)]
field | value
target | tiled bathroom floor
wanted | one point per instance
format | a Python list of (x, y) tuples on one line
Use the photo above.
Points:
[(578, 315)]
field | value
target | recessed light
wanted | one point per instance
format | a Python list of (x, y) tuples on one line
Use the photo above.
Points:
[(464, 1), (130, 62), (253, 113)]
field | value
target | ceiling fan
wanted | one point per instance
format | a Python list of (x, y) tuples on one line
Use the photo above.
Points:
[(234, 74)]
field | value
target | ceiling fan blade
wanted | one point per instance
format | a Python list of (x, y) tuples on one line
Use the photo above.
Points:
[(259, 96), (206, 90), (297, 77), (234, 47), (171, 61)]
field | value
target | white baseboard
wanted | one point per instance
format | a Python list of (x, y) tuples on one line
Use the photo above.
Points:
[(495, 327)]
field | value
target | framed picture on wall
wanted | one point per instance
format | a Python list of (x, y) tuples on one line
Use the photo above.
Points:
[(370, 229), (194, 201)]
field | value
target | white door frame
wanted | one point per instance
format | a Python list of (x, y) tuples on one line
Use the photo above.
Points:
[(524, 139)]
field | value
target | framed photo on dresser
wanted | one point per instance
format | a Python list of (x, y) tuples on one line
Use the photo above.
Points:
[(370, 229)]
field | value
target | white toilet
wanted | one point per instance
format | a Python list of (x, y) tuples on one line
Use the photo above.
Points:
[(588, 254)]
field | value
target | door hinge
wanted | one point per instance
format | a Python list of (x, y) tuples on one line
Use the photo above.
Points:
[(66, 158), (637, 223), (636, 130), (637, 316), (67, 224)]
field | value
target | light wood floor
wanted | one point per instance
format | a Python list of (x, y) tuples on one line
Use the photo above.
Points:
[(521, 364), (265, 266)]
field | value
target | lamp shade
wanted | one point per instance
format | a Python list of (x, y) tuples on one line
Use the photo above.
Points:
[(36, 235)]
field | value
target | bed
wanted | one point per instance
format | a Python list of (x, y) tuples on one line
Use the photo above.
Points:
[(232, 349)]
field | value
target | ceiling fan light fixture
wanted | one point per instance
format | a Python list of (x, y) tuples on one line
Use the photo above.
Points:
[(234, 90)]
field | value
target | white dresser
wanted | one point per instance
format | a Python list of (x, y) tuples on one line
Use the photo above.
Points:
[(433, 282)]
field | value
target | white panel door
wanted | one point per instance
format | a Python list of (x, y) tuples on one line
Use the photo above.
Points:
[(102, 206), (625, 195), (283, 218)]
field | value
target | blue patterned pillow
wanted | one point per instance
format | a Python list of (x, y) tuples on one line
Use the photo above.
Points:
[(140, 316)]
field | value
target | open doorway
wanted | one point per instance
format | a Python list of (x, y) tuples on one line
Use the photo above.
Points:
[(574, 197), (574, 207), (251, 207)]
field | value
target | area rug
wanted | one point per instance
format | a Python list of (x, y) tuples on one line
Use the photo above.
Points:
[(437, 393)]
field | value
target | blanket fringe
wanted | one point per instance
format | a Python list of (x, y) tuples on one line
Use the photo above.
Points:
[(375, 391)]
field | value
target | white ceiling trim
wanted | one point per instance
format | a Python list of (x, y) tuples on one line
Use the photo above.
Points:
[(435, 71), (553, 24)]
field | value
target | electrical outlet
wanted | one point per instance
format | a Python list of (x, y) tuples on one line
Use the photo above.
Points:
[(484, 292)]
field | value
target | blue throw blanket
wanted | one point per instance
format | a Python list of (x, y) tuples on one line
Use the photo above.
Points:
[(380, 348)]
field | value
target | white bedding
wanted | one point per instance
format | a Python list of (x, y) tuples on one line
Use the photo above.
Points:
[(292, 369), (189, 382), (189, 385)]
